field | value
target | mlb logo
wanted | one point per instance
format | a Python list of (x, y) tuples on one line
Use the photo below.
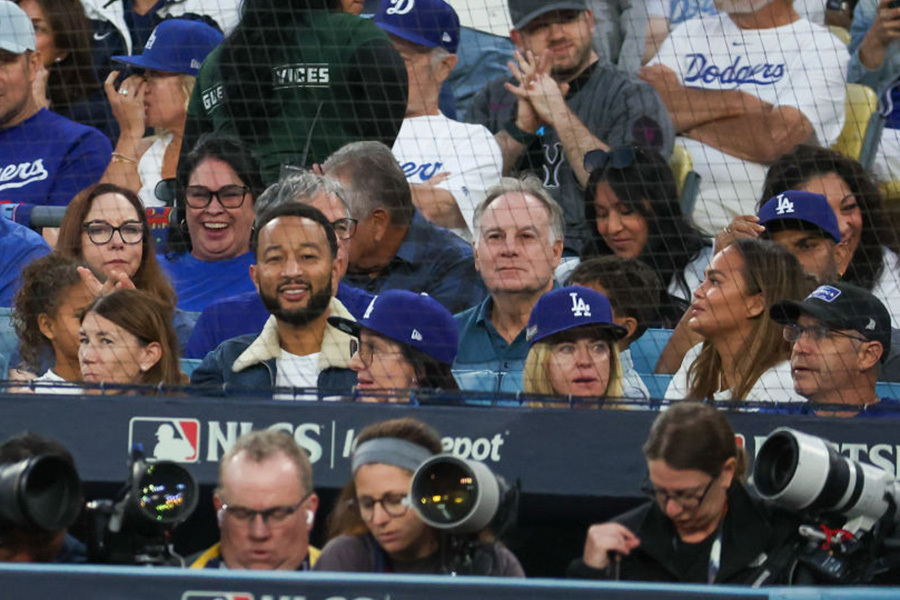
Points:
[(166, 439), (740, 440), (216, 595)]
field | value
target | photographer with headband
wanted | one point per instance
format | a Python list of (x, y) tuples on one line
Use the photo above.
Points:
[(701, 525), (373, 528)]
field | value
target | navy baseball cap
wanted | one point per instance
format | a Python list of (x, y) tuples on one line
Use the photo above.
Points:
[(176, 46), (569, 307), (842, 306), (417, 320), (803, 208), (523, 12), (429, 23)]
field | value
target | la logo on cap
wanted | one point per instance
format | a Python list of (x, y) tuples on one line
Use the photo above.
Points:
[(785, 206), (580, 308)]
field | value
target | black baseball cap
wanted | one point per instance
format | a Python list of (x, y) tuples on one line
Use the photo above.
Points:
[(523, 12), (842, 306)]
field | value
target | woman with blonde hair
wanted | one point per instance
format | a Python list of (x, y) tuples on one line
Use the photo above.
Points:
[(572, 346), (743, 355)]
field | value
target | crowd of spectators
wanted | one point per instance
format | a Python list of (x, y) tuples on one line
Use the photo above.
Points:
[(333, 229)]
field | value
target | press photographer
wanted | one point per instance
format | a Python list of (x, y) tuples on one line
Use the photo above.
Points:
[(374, 527), (701, 525), (40, 497)]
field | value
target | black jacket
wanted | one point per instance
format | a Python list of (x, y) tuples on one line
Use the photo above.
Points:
[(752, 535)]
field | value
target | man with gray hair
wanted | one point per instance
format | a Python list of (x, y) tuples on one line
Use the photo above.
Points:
[(448, 164), (395, 247), (245, 313), (265, 504), (518, 244)]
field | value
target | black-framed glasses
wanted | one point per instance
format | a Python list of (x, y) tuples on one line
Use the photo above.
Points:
[(395, 505), (229, 196), (818, 332), (344, 229), (620, 157), (101, 232), (274, 515), (686, 499)]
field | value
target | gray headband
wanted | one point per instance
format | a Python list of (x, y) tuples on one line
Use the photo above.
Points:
[(390, 451)]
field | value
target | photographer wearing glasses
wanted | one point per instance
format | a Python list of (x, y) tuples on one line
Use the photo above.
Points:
[(701, 525), (265, 506), (839, 335), (373, 529)]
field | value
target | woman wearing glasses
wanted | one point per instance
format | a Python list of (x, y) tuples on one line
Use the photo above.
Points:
[(701, 525), (405, 341), (572, 339), (744, 356), (106, 227), (208, 254), (632, 199), (373, 529)]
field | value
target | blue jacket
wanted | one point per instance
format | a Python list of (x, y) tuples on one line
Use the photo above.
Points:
[(248, 363)]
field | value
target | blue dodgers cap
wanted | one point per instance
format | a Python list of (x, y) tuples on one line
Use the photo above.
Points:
[(429, 23), (804, 207), (569, 307), (176, 46), (16, 30), (417, 320)]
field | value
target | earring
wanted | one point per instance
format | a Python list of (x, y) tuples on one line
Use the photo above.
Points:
[(58, 59)]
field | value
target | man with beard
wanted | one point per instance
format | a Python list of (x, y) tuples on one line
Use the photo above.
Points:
[(744, 87), (563, 103), (297, 262)]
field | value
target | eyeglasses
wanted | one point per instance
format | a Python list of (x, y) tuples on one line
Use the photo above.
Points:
[(101, 232), (344, 229), (273, 516), (686, 499), (620, 157), (367, 351), (229, 196), (568, 351), (817, 333), (395, 505)]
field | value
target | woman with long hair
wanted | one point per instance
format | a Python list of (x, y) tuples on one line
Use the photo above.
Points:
[(854, 196), (572, 346), (743, 356), (632, 200), (126, 337), (373, 529), (405, 341), (46, 316), (156, 97), (208, 252)]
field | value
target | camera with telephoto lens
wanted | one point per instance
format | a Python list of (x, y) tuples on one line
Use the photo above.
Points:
[(462, 499), (41, 494), (851, 507), (137, 528)]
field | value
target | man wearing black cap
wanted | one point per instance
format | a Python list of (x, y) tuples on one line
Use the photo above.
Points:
[(840, 334), (564, 103)]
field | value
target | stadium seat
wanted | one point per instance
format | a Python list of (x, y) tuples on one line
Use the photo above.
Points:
[(863, 126), (884, 389), (646, 349), (189, 364), (656, 384), (840, 33), (687, 180)]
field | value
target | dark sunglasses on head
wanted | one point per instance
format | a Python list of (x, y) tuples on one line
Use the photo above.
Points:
[(620, 157)]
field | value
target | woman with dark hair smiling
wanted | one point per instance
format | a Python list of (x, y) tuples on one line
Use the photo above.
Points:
[(632, 199), (208, 254)]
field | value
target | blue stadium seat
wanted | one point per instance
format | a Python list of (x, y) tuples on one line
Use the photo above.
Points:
[(189, 364), (646, 349), (886, 389), (656, 384)]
